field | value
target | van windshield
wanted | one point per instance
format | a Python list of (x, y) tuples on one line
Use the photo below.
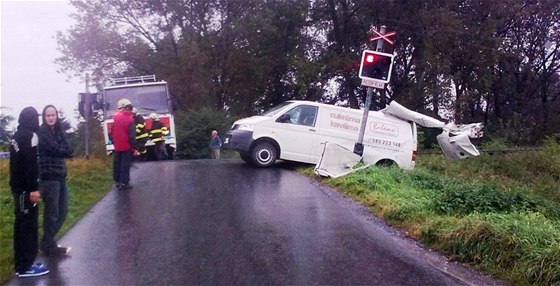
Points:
[(273, 111)]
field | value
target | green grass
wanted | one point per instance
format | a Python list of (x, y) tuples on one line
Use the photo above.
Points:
[(88, 182), (534, 172), (499, 213)]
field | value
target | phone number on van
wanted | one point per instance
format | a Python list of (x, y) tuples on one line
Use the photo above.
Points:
[(383, 142)]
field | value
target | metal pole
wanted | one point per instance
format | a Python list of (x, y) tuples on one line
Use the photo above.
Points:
[(379, 48), (359, 146), (87, 109)]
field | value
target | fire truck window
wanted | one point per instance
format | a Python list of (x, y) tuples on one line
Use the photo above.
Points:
[(146, 99)]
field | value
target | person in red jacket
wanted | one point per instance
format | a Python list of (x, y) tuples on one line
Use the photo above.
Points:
[(124, 141)]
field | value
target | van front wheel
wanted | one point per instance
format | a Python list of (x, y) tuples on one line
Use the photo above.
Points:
[(263, 154)]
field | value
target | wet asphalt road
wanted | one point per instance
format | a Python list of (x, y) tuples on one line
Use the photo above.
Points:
[(221, 222)]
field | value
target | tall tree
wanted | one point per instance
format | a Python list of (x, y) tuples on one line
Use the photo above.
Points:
[(207, 50), (343, 25), (467, 60), (530, 63)]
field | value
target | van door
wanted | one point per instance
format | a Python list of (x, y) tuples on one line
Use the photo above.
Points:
[(297, 135)]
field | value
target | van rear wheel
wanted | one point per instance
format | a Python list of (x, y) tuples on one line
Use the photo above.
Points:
[(386, 163), (264, 154)]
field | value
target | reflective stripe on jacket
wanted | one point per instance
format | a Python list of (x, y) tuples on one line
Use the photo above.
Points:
[(158, 132), (140, 127), (141, 131)]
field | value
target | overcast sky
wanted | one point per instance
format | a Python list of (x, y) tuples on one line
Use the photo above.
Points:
[(28, 74)]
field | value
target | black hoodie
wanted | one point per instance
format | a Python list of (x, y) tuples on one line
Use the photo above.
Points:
[(23, 153)]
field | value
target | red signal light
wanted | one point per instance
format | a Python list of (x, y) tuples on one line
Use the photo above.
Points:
[(376, 66)]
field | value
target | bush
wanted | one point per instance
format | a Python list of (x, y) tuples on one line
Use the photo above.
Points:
[(96, 140), (193, 131)]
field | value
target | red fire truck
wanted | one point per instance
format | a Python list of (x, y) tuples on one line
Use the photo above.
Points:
[(148, 96)]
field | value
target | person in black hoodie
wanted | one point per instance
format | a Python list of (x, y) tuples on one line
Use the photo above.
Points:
[(53, 150), (24, 187)]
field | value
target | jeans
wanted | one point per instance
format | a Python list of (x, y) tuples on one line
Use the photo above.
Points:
[(122, 161), (26, 236), (161, 151), (55, 199)]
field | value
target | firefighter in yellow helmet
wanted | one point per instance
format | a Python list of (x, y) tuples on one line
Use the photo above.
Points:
[(157, 135), (142, 135)]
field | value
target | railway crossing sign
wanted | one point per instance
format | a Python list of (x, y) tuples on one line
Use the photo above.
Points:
[(378, 35)]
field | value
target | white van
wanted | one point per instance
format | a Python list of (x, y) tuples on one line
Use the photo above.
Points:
[(297, 131)]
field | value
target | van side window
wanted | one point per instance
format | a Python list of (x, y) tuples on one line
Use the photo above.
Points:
[(301, 115)]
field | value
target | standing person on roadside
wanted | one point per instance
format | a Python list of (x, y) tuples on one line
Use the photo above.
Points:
[(157, 135), (124, 141), (215, 145), (53, 150), (24, 173)]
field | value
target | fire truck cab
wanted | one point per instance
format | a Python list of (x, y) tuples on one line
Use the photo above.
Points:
[(147, 96)]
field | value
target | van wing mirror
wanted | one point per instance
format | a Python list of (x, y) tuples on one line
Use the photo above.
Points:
[(283, 118)]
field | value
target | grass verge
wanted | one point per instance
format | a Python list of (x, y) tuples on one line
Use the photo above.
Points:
[(88, 181), (499, 213)]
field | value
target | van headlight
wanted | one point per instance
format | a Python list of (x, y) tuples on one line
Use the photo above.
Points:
[(246, 127)]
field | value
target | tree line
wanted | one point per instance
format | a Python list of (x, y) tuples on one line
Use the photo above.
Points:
[(466, 61)]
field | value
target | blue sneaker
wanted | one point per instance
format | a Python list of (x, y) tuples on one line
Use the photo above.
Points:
[(34, 270)]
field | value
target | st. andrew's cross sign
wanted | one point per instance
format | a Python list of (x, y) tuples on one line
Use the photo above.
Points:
[(377, 35)]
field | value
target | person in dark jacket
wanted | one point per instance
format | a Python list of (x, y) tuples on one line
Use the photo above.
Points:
[(124, 141), (142, 134), (215, 145), (25, 189), (53, 150), (157, 135)]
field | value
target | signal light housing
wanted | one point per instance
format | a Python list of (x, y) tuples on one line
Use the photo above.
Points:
[(376, 66)]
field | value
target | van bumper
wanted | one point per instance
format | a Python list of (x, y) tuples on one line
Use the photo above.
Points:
[(239, 140)]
